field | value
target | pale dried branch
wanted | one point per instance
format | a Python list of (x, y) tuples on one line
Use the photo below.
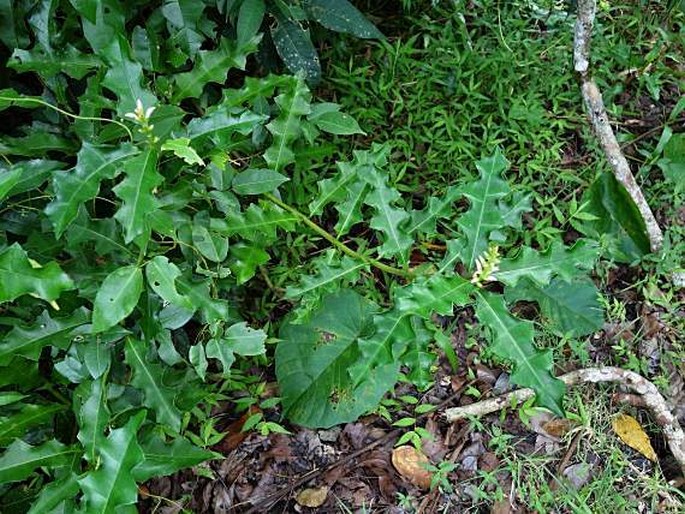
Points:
[(653, 401), (600, 121)]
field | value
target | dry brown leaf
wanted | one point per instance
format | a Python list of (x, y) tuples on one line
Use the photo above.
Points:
[(312, 497), (411, 464), (558, 427), (631, 432)]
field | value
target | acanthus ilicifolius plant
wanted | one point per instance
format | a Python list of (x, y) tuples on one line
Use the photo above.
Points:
[(338, 359), (141, 197)]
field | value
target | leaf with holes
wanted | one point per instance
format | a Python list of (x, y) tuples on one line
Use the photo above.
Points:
[(161, 277), (295, 47), (117, 297)]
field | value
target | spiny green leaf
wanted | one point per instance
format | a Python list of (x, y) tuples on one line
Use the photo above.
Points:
[(250, 18), (54, 493), (182, 149), (72, 188), (257, 181), (117, 297), (161, 277), (572, 307), (20, 275), (331, 271), (20, 459), (105, 233), (30, 416), (37, 143), (350, 210), (136, 193), (112, 485), (162, 459), (418, 357), (183, 17), (32, 174), (293, 104), (148, 377), (423, 221), (435, 294), (221, 124), (256, 222), (388, 219), (512, 339), (342, 16), (382, 347), (70, 61), (540, 267), (93, 417), (124, 77), (295, 47), (212, 66), (28, 342), (484, 214), (335, 189), (312, 362)]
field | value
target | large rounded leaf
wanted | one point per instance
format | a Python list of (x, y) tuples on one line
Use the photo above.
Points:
[(313, 362)]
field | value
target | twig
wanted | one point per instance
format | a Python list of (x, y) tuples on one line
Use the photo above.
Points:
[(600, 121), (637, 383), (338, 244)]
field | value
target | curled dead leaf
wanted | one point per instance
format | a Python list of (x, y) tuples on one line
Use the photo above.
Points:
[(312, 497), (411, 464), (631, 432)]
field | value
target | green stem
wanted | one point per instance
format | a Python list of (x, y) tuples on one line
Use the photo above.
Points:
[(65, 113), (339, 245)]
